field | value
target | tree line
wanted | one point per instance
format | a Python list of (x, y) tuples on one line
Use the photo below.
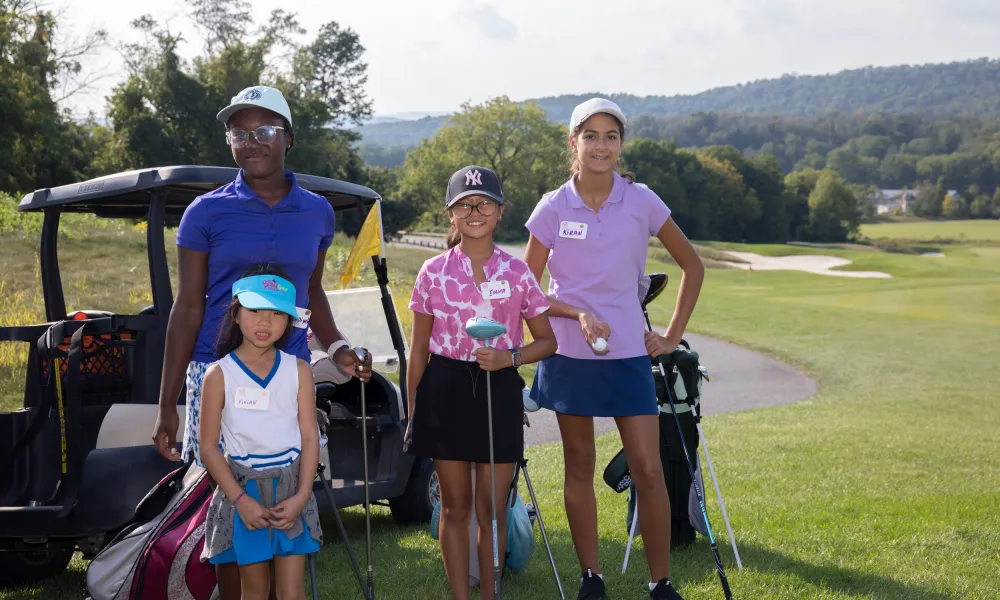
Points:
[(726, 177)]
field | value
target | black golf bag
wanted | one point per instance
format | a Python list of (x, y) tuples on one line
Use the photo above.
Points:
[(684, 378)]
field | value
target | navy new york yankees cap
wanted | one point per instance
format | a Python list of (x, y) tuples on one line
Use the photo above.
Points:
[(471, 181)]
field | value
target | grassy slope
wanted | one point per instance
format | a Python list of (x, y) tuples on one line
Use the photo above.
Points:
[(884, 485), (971, 230)]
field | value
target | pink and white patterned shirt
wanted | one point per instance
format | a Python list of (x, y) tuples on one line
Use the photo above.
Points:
[(446, 288)]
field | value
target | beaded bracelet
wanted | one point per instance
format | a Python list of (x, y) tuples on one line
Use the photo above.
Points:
[(233, 504)]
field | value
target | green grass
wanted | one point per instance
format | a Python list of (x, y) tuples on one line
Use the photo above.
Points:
[(885, 485), (977, 230)]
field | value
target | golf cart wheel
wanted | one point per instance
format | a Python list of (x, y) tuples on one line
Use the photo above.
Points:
[(28, 566), (422, 492)]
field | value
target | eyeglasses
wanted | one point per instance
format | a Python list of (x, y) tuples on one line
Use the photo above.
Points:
[(265, 134), (486, 208)]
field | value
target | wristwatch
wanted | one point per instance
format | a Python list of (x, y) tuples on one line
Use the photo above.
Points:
[(516, 357)]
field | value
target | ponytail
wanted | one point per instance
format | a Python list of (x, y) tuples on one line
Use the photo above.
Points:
[(454, 236)]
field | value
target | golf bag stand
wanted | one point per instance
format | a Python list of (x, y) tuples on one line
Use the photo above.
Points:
[(522, 466)]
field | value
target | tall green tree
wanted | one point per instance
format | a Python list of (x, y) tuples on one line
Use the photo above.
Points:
[(43, 146), (164, 111), (833, 210), (516, 141)]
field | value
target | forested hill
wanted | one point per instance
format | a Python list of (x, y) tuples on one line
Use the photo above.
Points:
[(959, 88)]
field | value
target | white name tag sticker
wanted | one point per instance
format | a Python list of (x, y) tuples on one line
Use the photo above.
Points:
[(252, 399), (302, 321), (495, 289), (573, 230)]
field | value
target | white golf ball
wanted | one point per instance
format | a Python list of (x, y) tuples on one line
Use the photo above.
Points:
[(600, 346)]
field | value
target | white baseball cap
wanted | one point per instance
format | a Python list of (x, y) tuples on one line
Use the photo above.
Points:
[(258, 95), (585, 110)]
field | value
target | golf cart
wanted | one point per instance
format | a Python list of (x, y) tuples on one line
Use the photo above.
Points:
[(77, 458)]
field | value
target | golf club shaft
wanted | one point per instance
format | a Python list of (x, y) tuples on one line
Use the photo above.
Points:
[(312, 575), (694, 482), (493, 492), (718, 493), (368, 507), (541, 525), (343, 535)]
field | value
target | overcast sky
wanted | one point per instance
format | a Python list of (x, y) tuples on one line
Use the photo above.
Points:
[(432, 55)]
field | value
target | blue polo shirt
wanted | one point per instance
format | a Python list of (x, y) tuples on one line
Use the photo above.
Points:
[(237, 229)]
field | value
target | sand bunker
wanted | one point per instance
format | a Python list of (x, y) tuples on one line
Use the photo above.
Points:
[(810, 263)]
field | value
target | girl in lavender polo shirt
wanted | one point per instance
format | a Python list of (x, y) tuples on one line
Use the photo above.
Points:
[(446, 386), (592, 234)]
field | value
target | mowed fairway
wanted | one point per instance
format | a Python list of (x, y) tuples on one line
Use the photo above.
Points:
[(978, 230), (886, 484)]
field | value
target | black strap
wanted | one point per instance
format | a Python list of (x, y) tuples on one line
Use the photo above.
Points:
[(42, 410), (73, 459)]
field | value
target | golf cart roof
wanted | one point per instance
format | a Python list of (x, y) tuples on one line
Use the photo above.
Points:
[(127, 194)]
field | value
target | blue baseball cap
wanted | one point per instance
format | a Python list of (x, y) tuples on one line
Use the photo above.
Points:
[(266, 292)]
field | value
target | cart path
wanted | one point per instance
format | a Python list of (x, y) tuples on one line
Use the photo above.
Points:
[(741, 379)]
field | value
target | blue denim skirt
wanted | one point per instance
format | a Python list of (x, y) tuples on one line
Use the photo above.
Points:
[(595, 388)]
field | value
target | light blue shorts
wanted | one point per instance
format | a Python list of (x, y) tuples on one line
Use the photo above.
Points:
[(258, 545)]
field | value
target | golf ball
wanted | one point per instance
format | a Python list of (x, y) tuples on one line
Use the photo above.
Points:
[(600, 345)]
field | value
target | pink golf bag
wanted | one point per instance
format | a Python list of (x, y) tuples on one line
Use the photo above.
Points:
[(157, 556)]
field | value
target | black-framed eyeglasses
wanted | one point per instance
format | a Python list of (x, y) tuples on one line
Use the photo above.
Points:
[(265, 134), (463, 210)]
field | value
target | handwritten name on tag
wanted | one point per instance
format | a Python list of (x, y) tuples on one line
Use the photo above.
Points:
[(495, 289), (573, 230), (252, 399)]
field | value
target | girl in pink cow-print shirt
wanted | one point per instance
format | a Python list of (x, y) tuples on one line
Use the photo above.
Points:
[(446, 386)]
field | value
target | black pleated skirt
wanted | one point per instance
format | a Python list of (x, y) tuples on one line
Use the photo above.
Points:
[(449, 420)]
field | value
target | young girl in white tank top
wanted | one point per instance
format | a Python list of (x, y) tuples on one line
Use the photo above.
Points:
[(262, 401)]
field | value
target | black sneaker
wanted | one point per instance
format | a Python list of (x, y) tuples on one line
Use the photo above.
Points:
[(591, 587), (664, 590)]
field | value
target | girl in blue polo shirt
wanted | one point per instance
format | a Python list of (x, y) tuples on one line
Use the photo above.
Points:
[(263, 216), (262, 400)]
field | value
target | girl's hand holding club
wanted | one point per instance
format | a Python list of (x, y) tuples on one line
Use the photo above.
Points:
[(657, 344), (491, 359)]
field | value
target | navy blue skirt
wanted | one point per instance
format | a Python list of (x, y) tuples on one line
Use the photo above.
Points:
[(595, 388)]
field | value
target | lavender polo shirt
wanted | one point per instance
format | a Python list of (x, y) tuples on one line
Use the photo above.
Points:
[(596, 260), (237, 229)]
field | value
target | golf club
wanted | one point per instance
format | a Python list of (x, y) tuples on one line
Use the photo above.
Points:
[(340, 526), (361, 353), (484, 329), (650, 287), (697, 489), (312, 575), (657, 283)]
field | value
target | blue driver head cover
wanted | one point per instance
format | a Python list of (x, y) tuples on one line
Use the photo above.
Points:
[(266, 292), (482, 328)]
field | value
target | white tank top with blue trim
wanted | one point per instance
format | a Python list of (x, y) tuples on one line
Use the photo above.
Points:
[(260, 420)]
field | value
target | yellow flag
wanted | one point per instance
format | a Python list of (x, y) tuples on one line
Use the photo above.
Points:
[(369, 243)]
